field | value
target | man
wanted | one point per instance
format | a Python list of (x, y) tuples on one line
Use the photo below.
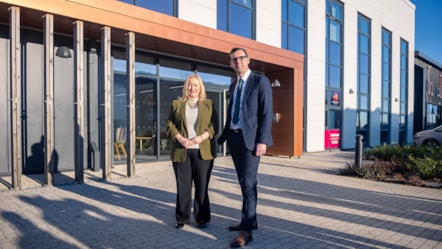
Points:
[(248, 133)]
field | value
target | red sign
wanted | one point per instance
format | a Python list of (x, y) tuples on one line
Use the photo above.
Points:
[(332, 139)]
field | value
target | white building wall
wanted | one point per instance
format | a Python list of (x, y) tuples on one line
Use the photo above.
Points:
[(315, 77), (350, 77), (268, 22), (196, 11), (395, 15)]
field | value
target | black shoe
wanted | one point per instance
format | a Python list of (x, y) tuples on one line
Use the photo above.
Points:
[(179, 225), (238, 227), (202, 225), (241, 240)]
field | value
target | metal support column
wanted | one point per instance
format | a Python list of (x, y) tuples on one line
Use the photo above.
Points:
[(107, 97), (79, 98), (130, 57), (16, 98), (49, 98)]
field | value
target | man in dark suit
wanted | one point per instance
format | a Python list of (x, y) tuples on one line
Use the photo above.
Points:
[(248, 133)]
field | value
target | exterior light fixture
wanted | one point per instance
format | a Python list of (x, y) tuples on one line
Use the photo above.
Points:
[(351, 91), (276, 83), (63, 52)]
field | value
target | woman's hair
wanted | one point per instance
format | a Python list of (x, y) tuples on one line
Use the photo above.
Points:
[(202, 96)]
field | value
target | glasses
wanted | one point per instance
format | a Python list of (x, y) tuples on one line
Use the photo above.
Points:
[(239, 58)]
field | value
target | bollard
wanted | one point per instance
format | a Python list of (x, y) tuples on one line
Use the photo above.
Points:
[(358, 150)]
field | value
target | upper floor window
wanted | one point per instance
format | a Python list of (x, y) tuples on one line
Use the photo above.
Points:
[(168, 7), (293, 25), (237, 17)]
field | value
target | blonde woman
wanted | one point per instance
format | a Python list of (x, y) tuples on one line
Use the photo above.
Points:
[(192, 124)]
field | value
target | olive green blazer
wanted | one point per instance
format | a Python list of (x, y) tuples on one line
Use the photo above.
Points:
[(207, 121)]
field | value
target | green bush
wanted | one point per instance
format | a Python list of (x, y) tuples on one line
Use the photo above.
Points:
[(426, 167), (425, 162)]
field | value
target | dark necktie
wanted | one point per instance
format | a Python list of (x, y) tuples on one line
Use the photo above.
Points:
[(237, 102)]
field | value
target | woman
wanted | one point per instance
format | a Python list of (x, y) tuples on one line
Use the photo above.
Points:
[(192, 125)]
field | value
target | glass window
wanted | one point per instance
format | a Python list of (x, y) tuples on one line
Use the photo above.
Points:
[(335, 119), (293, 25), (363, 63), (335, 53), (385, 89), (364, 25), (363, 102), (237, 17), (296, 40), (363, 83), (335, 77), (335, 31), (336, 10), (168, 7), (362, 120), (334, 64), (240, 21), (363, 44), (247, 3), (296, 14)]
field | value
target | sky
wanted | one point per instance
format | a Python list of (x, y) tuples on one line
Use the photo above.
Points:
[(428, 28)]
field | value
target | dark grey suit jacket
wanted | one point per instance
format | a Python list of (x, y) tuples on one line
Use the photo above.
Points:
[(257, 112)]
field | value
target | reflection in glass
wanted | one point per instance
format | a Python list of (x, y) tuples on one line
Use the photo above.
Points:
[(240, 21), (163, 6), (335, 31), (296, 39), (363, 83), (296, 14), (335, 77), (335, 119), (335, 53)]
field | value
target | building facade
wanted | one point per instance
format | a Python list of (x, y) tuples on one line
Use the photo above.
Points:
[(428, 85), (86, 83)]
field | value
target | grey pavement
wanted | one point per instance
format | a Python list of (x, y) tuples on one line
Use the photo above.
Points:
[(302, 203)]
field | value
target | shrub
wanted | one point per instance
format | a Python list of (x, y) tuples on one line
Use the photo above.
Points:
[(397, 162)]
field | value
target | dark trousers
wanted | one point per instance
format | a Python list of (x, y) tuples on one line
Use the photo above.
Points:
[(246, 165), (198, 171)]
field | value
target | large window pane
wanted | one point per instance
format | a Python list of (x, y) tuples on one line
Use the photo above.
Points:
[(335, 77), (296, 16), (284, 40), (363, 102), (336, 10), (363, 63), (363, 44), (222, 14), (247, 3), (363, 83), (335, 119), (335, 31), (163, 6), (296, 40), (362, 120), (364, 26), (335, 53), (240, 21)]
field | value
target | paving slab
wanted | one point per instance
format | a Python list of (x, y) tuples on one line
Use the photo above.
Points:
[(302, 203)]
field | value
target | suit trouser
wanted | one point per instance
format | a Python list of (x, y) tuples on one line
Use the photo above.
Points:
[(197, 170), (246, 165)]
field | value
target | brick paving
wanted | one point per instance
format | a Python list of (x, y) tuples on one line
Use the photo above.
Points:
[(302, 203)]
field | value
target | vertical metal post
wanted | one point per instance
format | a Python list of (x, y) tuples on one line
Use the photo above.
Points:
[(130, 57), (49, 98), (358, 150), (107, 96), (16, 98), (79, 98)]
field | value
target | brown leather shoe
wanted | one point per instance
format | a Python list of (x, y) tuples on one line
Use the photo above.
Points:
[(238, 227), (242, 239)]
